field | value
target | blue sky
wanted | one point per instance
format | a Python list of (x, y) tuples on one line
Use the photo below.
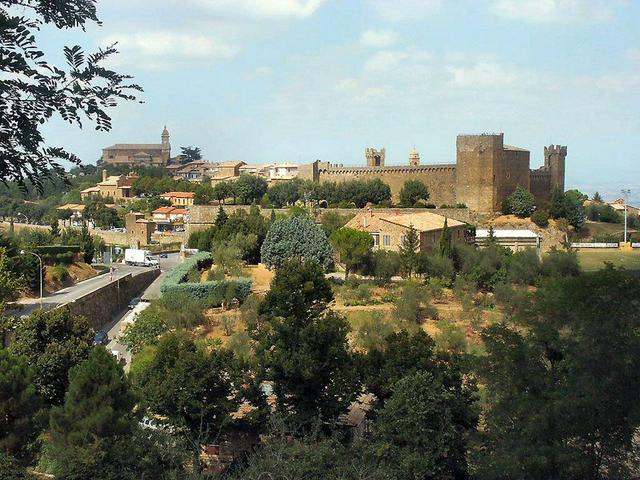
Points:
[(299, 80)]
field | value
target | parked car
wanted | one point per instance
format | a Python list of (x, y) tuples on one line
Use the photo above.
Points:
[(101, 338), (134, 301), (164, 255)]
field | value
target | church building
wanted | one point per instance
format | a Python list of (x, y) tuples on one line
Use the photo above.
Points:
[(133, 154)]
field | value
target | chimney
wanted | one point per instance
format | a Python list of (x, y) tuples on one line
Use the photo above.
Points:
[(104, 174)]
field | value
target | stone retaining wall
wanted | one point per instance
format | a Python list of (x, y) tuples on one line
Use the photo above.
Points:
[(102, 305)]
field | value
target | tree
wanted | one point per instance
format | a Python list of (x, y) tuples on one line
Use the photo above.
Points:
[(53, 227), (96, 416), (53, 341), (413, 191), (284, 193), (418, 433), (296, 237), (10, 282), (597, 198), (19, 405), (302, 347), (352, 246), (408, 303), (87, 244), (557, 204), (33, 90), (409, 251), (190, 154), (221, 218), (250, 188), (192, 386), (332, 221), (521, 202), (562, 381), (223, 190), (540, 218), (386, 264), (445, 246)]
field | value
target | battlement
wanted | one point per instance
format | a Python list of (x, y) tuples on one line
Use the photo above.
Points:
[(555, 150), (375, 158)]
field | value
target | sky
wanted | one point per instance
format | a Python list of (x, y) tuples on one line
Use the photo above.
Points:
[(299, 80)]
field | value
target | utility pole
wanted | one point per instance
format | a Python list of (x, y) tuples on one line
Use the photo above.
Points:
[(625, 194)]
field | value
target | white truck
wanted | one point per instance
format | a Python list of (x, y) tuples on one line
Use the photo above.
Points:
[(138, 257)]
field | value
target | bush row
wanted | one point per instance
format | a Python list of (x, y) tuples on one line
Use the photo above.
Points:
[(211, 293)]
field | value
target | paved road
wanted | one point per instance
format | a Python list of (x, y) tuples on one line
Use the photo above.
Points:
[(117, 326), (76, 291)]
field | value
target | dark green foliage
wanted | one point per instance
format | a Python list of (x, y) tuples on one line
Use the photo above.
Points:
[(87, 244), (96, 416), (568, 206), (409, 257), (520, 203), (332, 221), (53, 341), (597, 198), (435, 265), (352, 192), (19, 405), (296, 237), (445, 246), (34, 91), (557, 263), (11, 283), (302, 347), (385, 265), (221, 218), (250, 188), (562, 381), (524, 267), (192, 386), (352, 246), (412, 191), (540, 218), (603, 212), (486, 267), (419, 433), (190, 154), (11, 469), (102, 216), (409, 302)]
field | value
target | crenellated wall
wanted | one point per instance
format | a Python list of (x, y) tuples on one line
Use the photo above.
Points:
[(437, 178)]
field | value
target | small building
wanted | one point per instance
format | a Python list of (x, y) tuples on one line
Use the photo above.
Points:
[(168, 218), (193, 171), (179, 198), (388, 230), (515, 239), (618, 206), (226, 171), (114, 186)]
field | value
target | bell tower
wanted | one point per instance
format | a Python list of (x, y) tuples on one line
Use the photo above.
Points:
[(414, 158), (166, 146)]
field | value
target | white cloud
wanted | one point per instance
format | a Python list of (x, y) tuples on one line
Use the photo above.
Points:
[(264, 8), (378, 38), (554, 11), (402, 10), (385, 61), (163, 50), (484, 74)]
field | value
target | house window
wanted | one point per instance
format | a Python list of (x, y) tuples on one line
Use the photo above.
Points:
[(386, 240), (376, 239)]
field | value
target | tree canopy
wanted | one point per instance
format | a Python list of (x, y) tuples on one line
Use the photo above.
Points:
[(352, 246), (34, 90), (413, 191)]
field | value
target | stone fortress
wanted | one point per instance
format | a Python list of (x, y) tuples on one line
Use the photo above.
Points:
[(485, 173)]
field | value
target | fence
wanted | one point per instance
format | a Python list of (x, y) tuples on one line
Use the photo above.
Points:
[(594, 245)]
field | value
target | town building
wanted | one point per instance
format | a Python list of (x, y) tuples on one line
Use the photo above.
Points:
[(179, 198), (389, 229), (194, 171), (133, 154), (618, 206), (226, 171), (114, 186), (486, 172), (169, 218), (139, 229)]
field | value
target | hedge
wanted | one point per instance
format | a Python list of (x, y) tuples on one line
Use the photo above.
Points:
[(57, 249), (212, 293)]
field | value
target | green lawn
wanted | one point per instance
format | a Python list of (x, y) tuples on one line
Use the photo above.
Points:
[(591, 260)]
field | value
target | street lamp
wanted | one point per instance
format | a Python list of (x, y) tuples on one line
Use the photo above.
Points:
[(625, 194), (22, 252)]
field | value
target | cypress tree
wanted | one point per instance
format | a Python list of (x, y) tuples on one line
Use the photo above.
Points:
[(445, 241)]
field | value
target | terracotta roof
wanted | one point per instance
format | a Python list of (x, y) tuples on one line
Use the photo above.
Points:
[(180, 211), (179, 194), (423, 221), (135, 146), (231, 163), (164, 210), (90, 189), (71, 206)]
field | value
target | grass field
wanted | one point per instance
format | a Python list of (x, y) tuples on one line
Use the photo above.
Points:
[(591, 260)]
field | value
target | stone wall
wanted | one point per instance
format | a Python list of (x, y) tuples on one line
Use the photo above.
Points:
[(438, 178), (102, 305), (513, 172), (478, 160), (540, 185)]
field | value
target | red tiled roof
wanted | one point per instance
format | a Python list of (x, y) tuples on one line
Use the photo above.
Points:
[(164, 210)]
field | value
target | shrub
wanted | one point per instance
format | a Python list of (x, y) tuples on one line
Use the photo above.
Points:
[(452, 338), (520, 203), (385, 266), (560, 264), (371, 332), (540, 218), (524, 267), (59, 273), (408, 303)]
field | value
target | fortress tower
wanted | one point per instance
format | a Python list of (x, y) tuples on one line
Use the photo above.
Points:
[(375, 158), (166, 146), (414, 158), (554, 161)]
